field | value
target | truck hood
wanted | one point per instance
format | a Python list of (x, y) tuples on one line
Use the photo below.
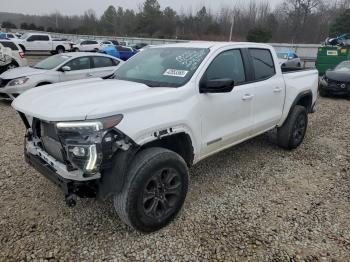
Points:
[(89, 99), (21, 71)]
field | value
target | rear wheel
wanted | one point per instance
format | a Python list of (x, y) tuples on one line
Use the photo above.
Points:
[(155, 190), (293, 131), (60, 50)]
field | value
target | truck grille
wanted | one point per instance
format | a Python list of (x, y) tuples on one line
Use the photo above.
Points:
[(50, 141), (334, 82)]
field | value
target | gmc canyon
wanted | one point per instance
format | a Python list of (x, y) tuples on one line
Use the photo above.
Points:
[(134, 136)]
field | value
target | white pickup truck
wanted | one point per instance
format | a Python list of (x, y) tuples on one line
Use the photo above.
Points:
[(37, 42), (166, 109)]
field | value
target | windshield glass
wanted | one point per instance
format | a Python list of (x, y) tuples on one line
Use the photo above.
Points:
[(344, 66), (52, 62), (162, 67), (282, 55)]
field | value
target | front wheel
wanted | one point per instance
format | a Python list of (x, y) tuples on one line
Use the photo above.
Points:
[(293, 131), (155, 190)]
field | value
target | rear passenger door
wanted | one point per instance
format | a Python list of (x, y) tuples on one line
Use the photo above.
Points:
[(80, 69), (269, 89), (103, 66)]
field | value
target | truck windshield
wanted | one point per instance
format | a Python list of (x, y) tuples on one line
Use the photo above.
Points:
[(52, 62), (162, 67)]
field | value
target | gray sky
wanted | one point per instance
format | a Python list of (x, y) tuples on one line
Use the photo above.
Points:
[(71, 7)]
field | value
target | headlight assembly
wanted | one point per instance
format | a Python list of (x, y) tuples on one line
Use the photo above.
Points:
[(18, 81), (84, 141)]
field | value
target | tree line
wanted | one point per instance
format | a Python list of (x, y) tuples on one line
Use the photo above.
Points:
[(293, 21)]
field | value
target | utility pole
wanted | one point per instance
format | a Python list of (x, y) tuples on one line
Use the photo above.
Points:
[(232, 24)]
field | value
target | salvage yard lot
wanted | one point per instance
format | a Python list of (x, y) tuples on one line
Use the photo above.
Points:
[(255, 201)]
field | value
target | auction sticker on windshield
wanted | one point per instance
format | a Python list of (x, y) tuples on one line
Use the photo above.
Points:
[(175, 72)]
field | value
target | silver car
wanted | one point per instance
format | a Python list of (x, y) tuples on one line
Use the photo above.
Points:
[(54, 69), (289, 59)]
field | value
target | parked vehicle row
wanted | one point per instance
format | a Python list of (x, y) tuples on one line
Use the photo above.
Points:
[(134, 135), (54, 69)]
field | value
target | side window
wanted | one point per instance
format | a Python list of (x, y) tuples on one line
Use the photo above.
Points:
[(228, 64), (263, 63), (10, 36), (100, 61), (9, 44), (33, 38), (80, 63), (44, 38), (93, 43), (84, 43)]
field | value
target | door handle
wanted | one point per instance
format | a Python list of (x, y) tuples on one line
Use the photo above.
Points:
[(247, 97), (277, 90)]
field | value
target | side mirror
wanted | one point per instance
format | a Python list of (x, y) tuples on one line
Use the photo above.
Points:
[(66, 69), (224, 85)]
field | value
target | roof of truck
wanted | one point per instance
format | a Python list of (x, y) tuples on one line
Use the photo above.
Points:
[(213, 45)]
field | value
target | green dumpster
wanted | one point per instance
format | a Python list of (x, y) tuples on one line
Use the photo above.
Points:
[(329, 57)]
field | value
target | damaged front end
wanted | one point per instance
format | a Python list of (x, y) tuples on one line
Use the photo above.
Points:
[(81, 156)]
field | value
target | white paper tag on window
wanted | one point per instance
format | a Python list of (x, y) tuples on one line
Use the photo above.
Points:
[(175, 72)]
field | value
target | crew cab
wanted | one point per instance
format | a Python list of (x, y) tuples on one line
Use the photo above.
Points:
[(134, 136), (42, 42)]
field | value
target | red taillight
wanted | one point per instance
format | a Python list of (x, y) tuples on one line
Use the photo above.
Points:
[(21, 54)]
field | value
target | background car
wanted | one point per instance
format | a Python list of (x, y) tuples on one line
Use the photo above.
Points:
[(121, 52), (11, 36), (109, 43), (139, 46), (14, 57), (336, 81), (289, 59), (54, 69), (87, 46)]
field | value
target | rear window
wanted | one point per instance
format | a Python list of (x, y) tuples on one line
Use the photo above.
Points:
[(263, 63), (9, 44), (100, 61)]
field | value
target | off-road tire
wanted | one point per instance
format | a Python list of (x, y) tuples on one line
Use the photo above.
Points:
[(293, 131), (130, 204)]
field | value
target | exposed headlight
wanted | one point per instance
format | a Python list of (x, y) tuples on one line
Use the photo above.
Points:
[(18, 81), (95, 125), (84, 141)]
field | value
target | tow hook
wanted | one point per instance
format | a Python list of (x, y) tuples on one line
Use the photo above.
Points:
[(71, 200)]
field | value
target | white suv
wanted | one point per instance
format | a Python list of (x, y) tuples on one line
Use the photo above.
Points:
[(11, 56)]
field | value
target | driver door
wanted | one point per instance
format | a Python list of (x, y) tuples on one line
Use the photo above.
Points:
[(226, 117)]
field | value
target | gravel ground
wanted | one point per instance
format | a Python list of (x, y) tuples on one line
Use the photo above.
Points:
[(254, 202)]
